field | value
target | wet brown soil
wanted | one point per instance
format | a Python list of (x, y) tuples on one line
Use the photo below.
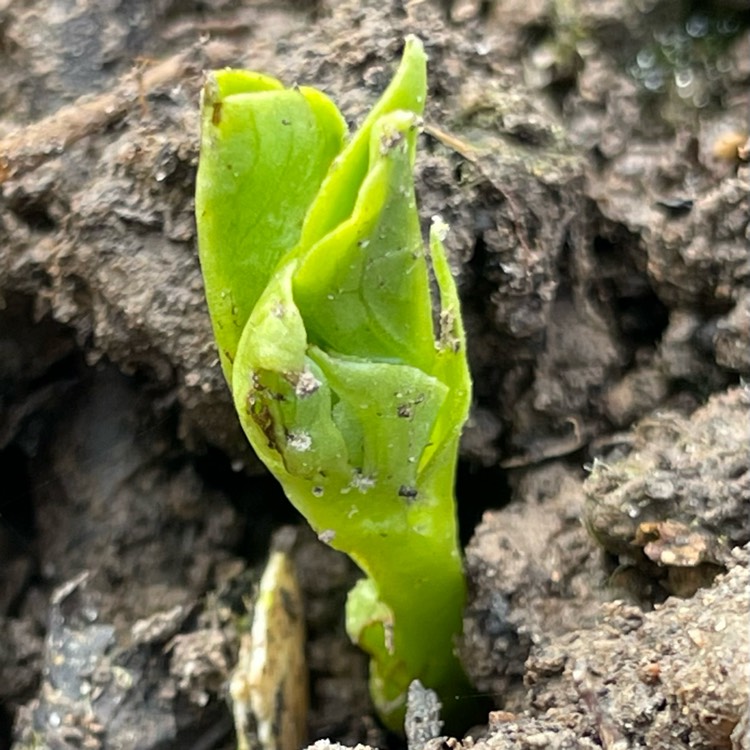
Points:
[(591, 159)]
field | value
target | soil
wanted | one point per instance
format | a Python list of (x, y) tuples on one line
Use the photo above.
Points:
[(591, 159)]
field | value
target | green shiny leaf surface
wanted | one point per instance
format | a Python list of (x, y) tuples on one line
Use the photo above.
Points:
[(340, 334), (264, 152)]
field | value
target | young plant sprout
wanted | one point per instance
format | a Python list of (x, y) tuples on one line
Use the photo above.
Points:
[(340, 335)]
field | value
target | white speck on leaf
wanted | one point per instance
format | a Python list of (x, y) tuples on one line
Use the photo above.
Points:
[(327, 536), (362, 482), (307, 384), (299, 441), (440, 226)]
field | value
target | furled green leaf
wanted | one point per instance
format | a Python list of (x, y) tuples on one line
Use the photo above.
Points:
[(264, 152), (341, 337)]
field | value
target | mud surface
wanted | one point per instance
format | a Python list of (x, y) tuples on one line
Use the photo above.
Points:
[(592, 162)]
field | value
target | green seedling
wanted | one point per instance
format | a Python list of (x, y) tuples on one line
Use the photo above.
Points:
[(340, 335)]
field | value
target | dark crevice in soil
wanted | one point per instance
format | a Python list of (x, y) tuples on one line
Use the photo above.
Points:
[(641, 316), (477, 490), (6, 728), (17, 517), (37, 216), (259, 500)]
